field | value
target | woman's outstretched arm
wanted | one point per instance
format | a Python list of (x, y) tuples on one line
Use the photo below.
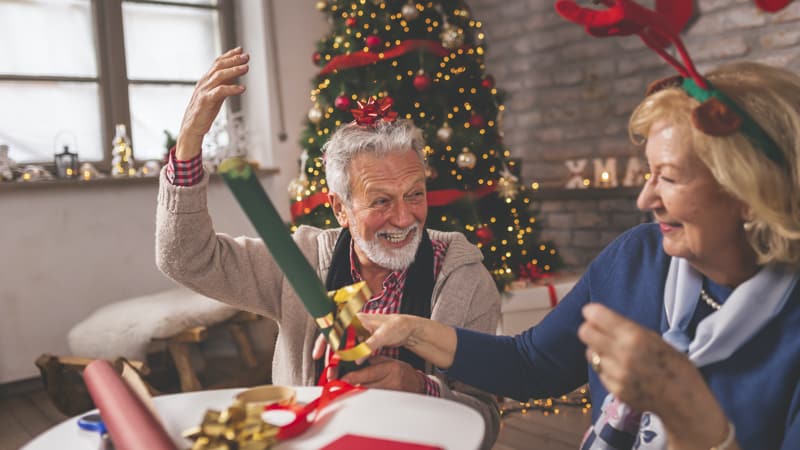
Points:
[(431, 340)]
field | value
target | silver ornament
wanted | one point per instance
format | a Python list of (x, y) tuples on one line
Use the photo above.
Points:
[(445, 133), (467, 159), (410, 11), (452, 36), (315, 114)]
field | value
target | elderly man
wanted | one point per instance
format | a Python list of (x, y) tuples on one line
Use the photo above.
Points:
[(376, 179)]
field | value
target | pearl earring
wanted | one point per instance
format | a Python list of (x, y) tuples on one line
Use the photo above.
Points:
[(748, 225)]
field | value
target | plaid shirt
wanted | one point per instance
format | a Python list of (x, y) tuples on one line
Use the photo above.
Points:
[(184, 173), (189, 173), (388, 301)]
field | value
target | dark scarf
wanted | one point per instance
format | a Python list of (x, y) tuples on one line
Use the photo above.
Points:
[(417, 290)]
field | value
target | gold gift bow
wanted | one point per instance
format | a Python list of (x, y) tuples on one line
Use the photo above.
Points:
[(349, 301)]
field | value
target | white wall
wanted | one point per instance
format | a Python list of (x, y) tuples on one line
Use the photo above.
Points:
[(65, 252)]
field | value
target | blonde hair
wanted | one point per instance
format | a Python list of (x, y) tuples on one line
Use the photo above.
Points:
[(771, 96)]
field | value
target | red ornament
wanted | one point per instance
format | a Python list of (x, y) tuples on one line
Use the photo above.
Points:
[(422, 82), (316, 57), (488, 82), (373, 42), (351, 22), (342, 103), (484, 235), (476, 120)]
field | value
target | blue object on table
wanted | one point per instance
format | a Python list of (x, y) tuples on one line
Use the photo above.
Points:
[(94, 423)]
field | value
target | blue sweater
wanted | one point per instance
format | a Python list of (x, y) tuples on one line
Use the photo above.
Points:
[(758, 386)]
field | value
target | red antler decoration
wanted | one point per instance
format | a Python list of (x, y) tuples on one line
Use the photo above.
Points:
[(657, 29), (369, 112), (772, 5)]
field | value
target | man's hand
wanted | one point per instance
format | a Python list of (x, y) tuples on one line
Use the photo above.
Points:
[(320, 345), (387, 373), (209, 93)]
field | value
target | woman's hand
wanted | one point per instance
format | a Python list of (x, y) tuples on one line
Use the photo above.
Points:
[(209, 93), (431, 340), (640, 369), (388, 330)]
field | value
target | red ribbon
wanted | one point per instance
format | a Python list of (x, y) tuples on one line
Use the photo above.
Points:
[(553, 297), (334, 360), (307, 204), (445, 197), (369, 112), (330, 392), (360, 59)]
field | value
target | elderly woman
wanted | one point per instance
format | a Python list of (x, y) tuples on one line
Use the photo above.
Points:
[(687, 329)]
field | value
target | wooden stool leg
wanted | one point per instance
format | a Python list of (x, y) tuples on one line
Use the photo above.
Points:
[(180, 355), (239, 334)]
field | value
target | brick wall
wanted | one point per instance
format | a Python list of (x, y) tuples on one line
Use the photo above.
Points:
[(570, 95), (582, 222)]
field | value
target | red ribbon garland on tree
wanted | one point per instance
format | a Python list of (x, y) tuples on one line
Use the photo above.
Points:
[(307, 204), (445, 197), (360, 59)]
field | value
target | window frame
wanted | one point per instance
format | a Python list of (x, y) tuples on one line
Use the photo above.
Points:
[(112, 77)]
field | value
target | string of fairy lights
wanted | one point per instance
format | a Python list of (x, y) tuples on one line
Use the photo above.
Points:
[(578, 399)]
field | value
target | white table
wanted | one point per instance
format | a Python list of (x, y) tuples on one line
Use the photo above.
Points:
[(375, 413)]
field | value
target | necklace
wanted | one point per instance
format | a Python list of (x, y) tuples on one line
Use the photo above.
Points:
[(709, 301)]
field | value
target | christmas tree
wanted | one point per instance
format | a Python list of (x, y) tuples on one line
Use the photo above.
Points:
[(428, 57)]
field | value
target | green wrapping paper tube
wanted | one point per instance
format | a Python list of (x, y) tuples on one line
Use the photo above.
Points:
[(239, 177)]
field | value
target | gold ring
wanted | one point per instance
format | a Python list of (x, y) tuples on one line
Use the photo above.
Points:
[(596, 362)]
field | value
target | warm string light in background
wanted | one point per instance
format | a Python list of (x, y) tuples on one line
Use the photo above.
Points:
[(578, 399)]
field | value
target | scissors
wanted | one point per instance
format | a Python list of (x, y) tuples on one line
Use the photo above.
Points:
[(94, 423)]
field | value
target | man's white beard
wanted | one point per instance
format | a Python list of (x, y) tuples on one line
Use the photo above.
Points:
[(389, 258)]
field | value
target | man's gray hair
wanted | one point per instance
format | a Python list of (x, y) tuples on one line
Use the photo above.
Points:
[(351, 140)]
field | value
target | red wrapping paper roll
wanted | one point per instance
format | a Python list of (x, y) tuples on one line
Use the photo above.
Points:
[(130, 424)]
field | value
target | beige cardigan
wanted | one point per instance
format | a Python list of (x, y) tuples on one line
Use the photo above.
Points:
[(241, 272)]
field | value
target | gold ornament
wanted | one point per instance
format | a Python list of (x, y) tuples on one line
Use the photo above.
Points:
[(467, 159), (315, 114), (322, 5), (508, 184), (338, 40), (445, 133), (298, 187), (430, 172), (452, 36), (410, 11)]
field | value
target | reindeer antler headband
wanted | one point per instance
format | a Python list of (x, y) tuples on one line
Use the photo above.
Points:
[(717, 114)]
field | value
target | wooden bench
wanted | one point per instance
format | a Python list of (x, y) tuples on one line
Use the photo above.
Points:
[(193, 369)]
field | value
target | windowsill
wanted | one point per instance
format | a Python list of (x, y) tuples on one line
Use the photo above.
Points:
[(10, 186)]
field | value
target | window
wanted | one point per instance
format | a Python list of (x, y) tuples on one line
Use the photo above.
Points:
[(72, 69)]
